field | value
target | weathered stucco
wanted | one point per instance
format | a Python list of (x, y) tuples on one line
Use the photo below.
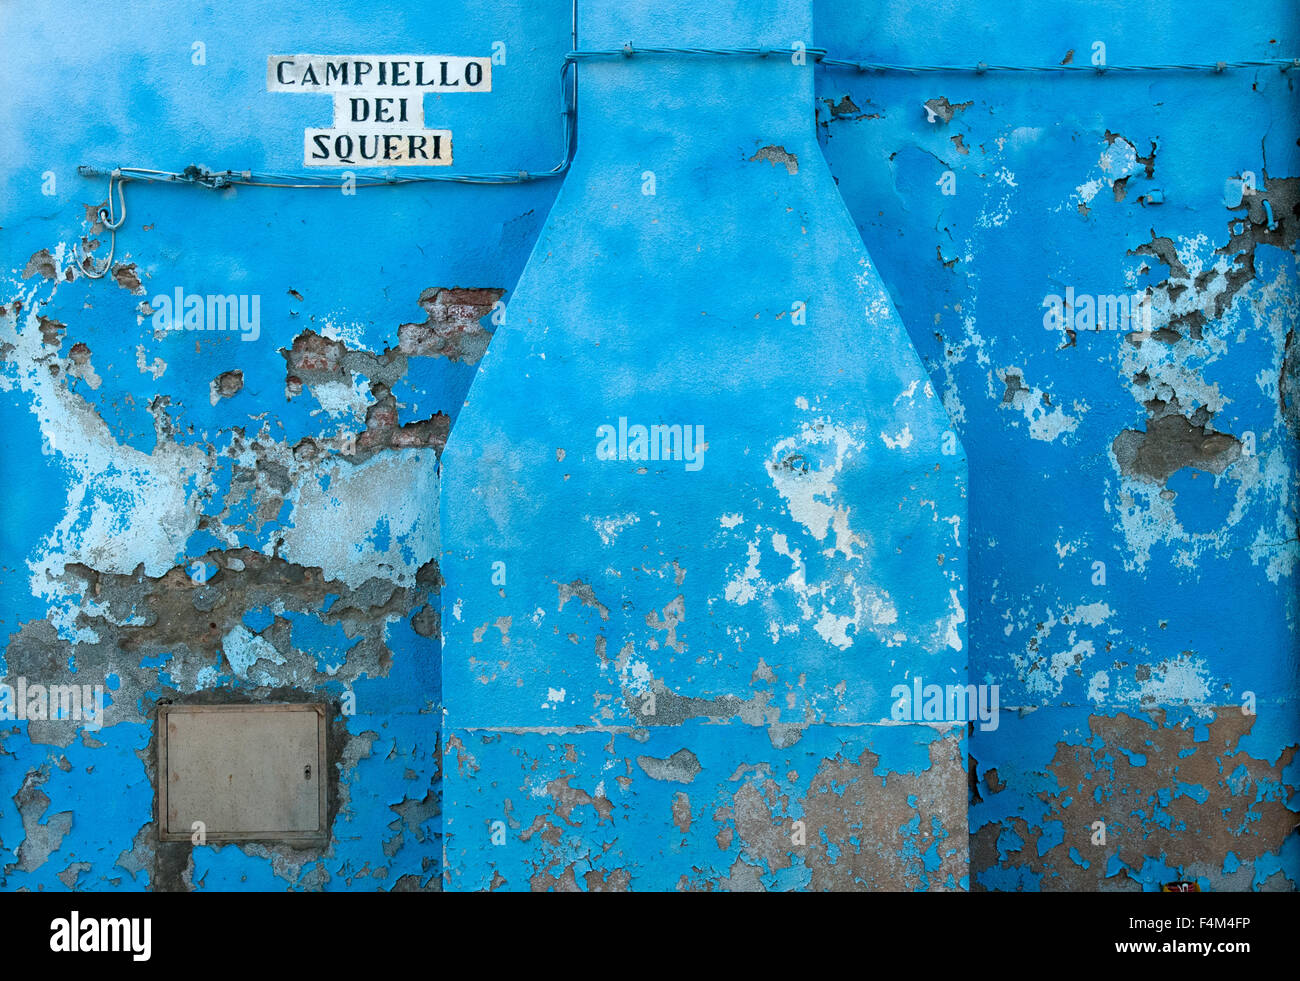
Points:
[(1133, 491), (643, 675)]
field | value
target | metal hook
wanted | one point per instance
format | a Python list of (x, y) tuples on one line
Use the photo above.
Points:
[(105, 216)]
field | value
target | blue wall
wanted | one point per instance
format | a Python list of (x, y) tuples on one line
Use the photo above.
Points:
[(699, 270), (119, 480), (1132, 499), (1101, 525)]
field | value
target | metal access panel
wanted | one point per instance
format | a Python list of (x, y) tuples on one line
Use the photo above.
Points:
[(247, 772)]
